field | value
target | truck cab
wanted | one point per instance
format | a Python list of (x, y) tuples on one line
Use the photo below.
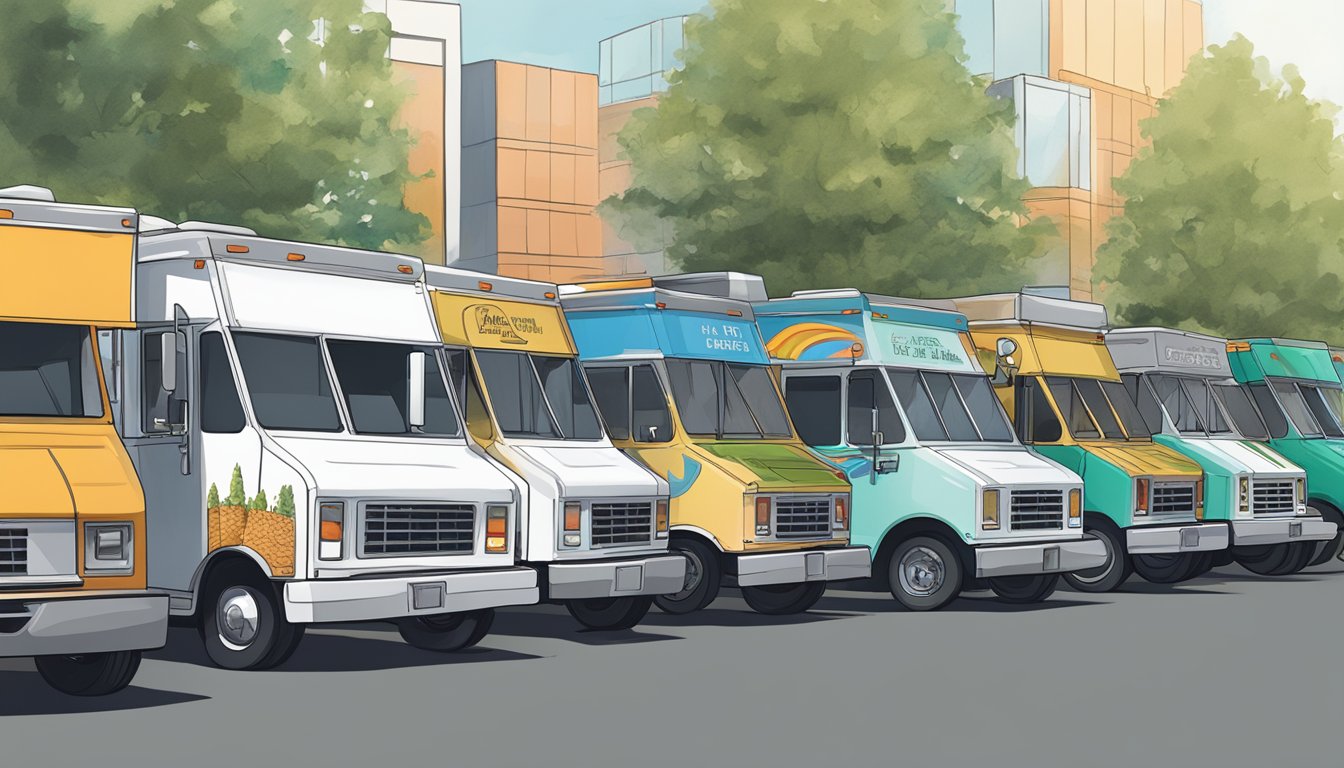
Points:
[(1296, 387), (304, 460), (72, 518), (594, 524), (681, 378), (891, 390), (1183, 386), (1054, 375)]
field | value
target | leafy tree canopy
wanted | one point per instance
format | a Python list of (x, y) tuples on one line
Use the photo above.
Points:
[(1234, 216), (278, 116), (828, 144)]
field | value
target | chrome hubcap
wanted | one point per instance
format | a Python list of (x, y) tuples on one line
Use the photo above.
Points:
[(693, 575), (1094, 575), (237, 617), (922, 571)]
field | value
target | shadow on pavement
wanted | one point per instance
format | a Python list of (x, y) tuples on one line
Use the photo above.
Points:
[(562, 626), (26, 693), (745, 617), (885, 603)]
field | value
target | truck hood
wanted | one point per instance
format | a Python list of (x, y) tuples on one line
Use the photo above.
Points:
[(1246, 456), (774, 466), (398, 469), (588, 471), (1008, 466), (1144, 459), (66, 469)]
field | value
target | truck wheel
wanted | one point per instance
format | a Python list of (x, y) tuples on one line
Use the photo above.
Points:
[(609, 612), (446, 632), (924, 573), (703, 575), (1021, 590), (1165, 568), (783, 599), (1299, 556), (242, 622), (1203, 563), (1264, 559), (89, 674), (1328, 550), (1109, 576)]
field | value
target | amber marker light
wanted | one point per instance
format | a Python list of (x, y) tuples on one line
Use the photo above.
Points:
[(735, 312), (126, 222), (484, 286), (198, 264), (849, 311), (296, 257), (549, 294), (5, 213), (236, 248), (405, 269)]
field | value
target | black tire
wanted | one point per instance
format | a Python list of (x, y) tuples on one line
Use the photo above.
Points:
[(1223, 558), (1110, 575), (783, 599), (89, 674), (446, 632), (610, 613), (924, 573), (1023, 590), (1203, 563), (1329, 550), (1167, 568), (1264, 559), (1299, 557), (242, 622), (281, 653), (704, 574)]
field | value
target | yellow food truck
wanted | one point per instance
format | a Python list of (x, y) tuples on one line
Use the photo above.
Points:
[(72, 517)]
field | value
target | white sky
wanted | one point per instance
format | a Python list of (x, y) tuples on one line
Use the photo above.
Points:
[(1307, 33)]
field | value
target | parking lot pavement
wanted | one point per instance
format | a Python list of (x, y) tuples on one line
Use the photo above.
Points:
[(1230, 670)]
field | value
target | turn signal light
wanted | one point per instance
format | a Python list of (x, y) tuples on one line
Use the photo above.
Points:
[(1076, 508), (989, 509), (841, 513), (497, 529), (331, 531), (762, 515), (1141, 496), (573, 515)]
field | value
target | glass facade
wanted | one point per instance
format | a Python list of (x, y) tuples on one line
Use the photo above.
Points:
[(1053, 131), (632, 65), (1005, 37)]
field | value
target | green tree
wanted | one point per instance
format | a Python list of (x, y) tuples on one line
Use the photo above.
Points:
[(1233, 220), (212, 497), (258, 503), (284, 502), (830, 144), (278, 116), (237, 493)]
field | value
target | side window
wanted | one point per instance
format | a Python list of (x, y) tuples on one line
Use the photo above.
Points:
[(1036, 420), (1142, 394), (868, 390), (1269, 410), (611, 390), (160, 409), (652, 420), (221, 409), (463, 380), (814, 405)]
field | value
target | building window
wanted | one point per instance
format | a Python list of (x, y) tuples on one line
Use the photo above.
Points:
[(1005, 37), (632, 65), (1053, 131)]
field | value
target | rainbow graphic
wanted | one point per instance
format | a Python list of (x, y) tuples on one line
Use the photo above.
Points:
[(812, 341)]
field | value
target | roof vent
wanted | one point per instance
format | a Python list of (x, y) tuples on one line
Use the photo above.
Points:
[(28, 192), (724, 285), (155, 224), (224, 229)]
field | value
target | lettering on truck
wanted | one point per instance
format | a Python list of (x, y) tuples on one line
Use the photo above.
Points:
[(724, 338), (923, 348)]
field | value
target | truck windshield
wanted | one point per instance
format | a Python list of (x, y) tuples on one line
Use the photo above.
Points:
[(1095, 409), (1295, 405), (287, 382), (727, 399), (1241, 411), (956, 407), (537, 396), (374, 382), (1190, 405), (48, 370)]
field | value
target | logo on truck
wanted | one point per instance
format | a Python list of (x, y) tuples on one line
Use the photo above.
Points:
[(1195, 357), (492, 321)]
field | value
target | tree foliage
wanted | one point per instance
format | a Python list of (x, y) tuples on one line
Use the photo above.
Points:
[(830, 144), (1234, 216), (237, 493), (284, 503), (242, 112)]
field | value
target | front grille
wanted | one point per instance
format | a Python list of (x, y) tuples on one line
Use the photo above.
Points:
[(392, 529), (1273, 497), (13, 551), (622, 522), (1037, 510), (1174, 499), (802, 518)]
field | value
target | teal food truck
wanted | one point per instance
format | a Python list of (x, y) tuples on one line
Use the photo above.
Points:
[(944, 493), (1297, 390), (1183, 387)]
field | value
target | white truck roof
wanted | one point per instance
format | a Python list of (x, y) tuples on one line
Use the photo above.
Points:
[(238, 244), (724, 285), (37, 206), (1168, 350), (1029, 308)]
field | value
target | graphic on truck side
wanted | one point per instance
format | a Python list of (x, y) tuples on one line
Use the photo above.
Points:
[(268, 530)]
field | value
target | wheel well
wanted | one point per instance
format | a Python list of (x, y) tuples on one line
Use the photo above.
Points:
[(1325, 507), (683, 534), (220, 560), (920, 526)]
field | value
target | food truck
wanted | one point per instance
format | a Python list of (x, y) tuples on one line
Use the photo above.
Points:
[(72, 517), (944, 494), (1296, 388), (1056, 379), (593, 523), (681, 378), (1182, 384), (304, 460)]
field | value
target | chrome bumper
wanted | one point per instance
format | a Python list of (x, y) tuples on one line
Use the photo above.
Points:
[(1045, 557), (1171, 539), (836, 564), (649, 575), (309, 602), (92, 623), (1280, 530)]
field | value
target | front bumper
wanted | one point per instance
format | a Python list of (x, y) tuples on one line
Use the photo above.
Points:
[(1172, 539), (93, 622), (1043, 557), (648, 575), (837, 564), (356, 599), (1247, 533)]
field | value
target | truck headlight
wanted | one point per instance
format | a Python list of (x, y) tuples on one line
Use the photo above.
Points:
[(841, 512), (330, 530), (1302, 491), (661, 523), (762, 515), (573, 524), (109, 548), (989, 509), (1140, 496), (497, 528), (1244, 495), (1075, 507), (1199, 498)]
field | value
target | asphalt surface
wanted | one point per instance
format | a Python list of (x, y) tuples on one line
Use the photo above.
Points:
[(1229, 670)]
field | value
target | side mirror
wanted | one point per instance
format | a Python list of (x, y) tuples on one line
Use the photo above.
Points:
[(168, 362), (416, 390), (651, 433), (1004, 349), (887, 466)]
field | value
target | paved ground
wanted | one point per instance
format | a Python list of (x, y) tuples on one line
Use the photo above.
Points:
[(1231, 670)]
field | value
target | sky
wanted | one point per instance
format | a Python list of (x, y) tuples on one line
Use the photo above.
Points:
[(564, 33)]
